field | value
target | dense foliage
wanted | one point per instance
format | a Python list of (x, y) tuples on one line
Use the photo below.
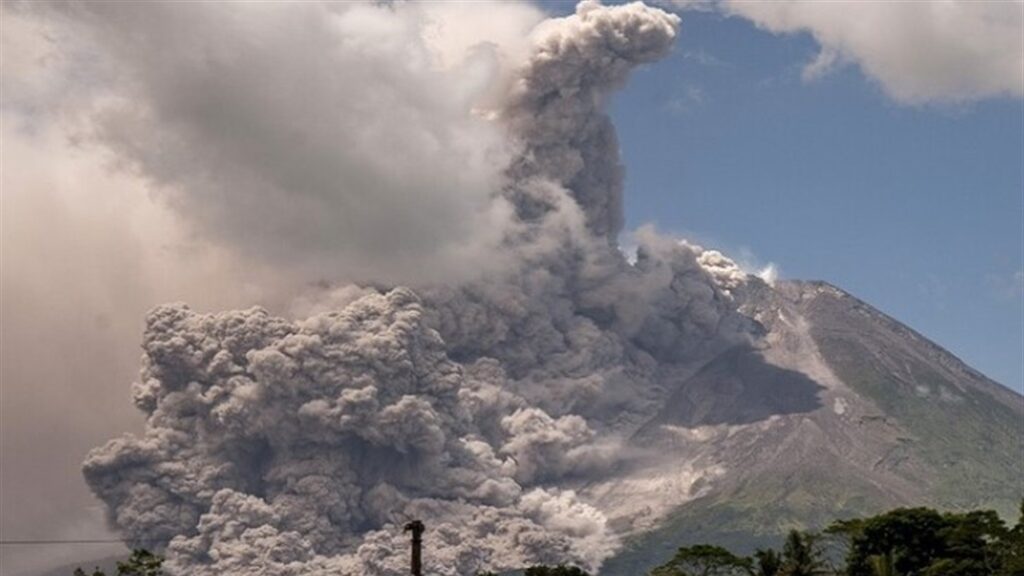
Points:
[(902, 542), (141, 563), (554, 571)]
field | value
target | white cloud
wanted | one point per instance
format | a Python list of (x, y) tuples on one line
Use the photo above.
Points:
[(332, 140), (918, 52)]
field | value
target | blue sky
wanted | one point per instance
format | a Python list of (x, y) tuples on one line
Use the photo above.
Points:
[(916, 209)]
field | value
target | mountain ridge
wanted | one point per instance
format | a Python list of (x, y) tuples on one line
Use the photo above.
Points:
[(942, 353), (878, 435)]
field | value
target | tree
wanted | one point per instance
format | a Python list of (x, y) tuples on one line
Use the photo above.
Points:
[(704, 560), (883, 565), (971, 544), (911, 536), (837, 541), (141, 563), (923, 542), (767, 562), (801, 555), (1009, 551)]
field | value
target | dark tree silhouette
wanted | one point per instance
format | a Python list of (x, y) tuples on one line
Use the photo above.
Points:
[(802, 555), (704, 560), (923, 542), (1010, 550), (141, 563), (767, 562)]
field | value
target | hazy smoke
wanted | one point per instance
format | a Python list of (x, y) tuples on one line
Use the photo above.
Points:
[(287, 447)]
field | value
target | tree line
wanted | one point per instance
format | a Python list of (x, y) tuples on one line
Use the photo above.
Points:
[(901, 542)]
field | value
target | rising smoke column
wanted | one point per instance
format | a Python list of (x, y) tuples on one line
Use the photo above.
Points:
[(282, 447), (575, 326), (556, 109)]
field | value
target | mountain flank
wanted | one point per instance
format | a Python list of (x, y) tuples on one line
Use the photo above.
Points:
[(838, 410)]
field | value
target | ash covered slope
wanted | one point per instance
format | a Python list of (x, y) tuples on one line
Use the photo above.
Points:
[(967, 428), (839, 410)]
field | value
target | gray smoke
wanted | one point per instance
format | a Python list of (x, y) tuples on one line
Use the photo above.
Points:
[(556, 105), (299, 447), (285, 443)]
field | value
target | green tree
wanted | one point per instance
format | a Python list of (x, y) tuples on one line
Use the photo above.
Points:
[(767, 562), (883, 564), (972, 544), (911, 536), (837, 541), (140, 563), (802, 556), (704, 560), (923, 542), (1009, 550)]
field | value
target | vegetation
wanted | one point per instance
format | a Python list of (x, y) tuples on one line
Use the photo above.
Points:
[(704, 560), (560, 570), (555, 571), (141, 563), (902, 542)]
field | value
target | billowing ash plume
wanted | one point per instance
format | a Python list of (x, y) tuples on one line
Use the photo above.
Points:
[(556, 108), (284, 447), (278, 445)]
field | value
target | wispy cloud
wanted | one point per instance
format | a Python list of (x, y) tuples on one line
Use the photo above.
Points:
[(688, 100), (704, 58), (934, 290), (1007, 287)]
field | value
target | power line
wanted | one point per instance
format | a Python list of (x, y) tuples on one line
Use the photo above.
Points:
[(79, 541)]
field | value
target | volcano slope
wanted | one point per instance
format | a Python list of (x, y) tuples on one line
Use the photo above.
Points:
[(838, 411)]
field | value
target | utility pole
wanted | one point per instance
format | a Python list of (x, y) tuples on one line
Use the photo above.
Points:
[(417, 528)]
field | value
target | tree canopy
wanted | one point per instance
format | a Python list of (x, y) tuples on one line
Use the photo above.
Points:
[(901, 542), (140, 563)]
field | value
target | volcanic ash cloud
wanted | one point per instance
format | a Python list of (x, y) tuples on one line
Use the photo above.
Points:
[(282, 447)]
